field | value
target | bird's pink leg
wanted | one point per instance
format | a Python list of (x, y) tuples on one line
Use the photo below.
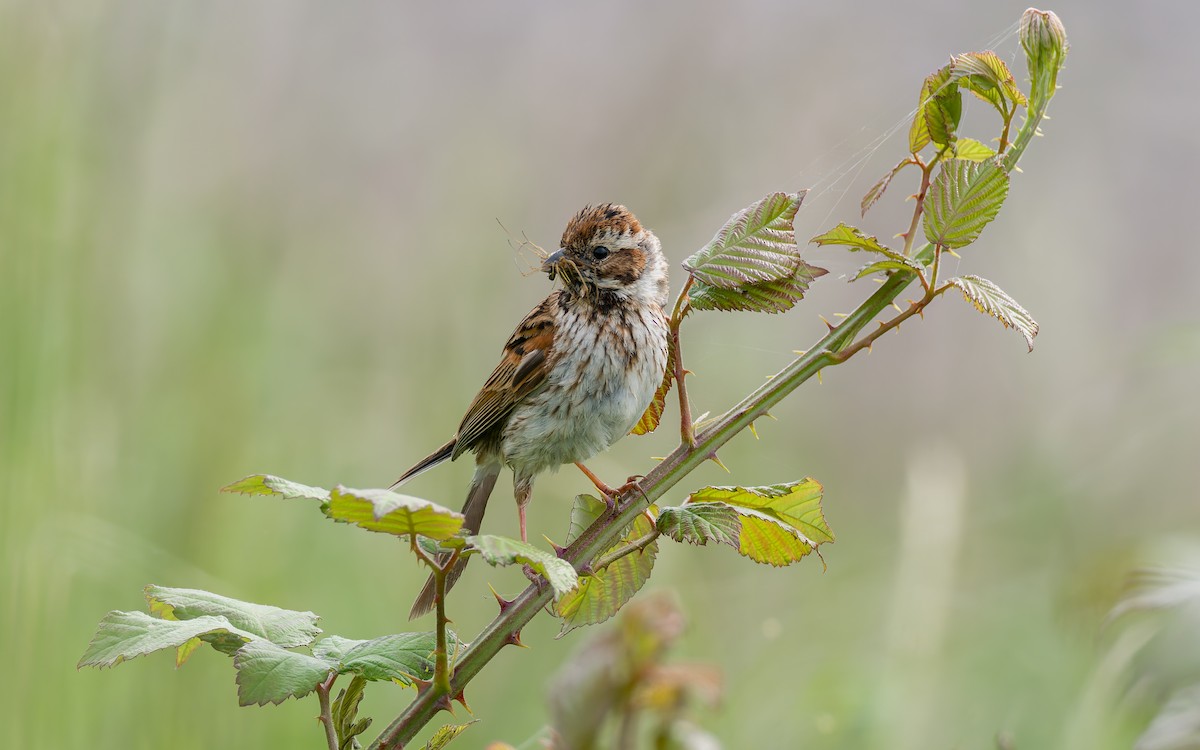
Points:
[(523, 491)]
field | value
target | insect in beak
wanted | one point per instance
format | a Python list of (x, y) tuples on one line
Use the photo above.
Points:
[(550, 265)]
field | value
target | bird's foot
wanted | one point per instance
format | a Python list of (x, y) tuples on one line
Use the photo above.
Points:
[(610, 494)]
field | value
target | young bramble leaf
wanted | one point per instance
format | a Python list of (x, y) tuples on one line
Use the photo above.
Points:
[(796, 504), (939, 111), (700, 523), (906, 265), (757, 244), (127, 635), (267, 673), (964, 198), (266, 484), (972, 150), (399, 657), (600, 595), (345, 713), (876, 192), (446, 734), (775, 296), (284, 627), (653, 414), (856, 240), (994, 301), (392, 513), (986, 76), (499, 550)]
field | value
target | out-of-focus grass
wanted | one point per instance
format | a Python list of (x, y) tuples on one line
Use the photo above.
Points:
[(262, 239)]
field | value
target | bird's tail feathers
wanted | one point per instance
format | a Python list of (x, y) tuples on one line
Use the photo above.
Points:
[(427, 463), (477, 497)]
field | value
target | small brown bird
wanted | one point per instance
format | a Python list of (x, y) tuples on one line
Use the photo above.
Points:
[(578, 372)]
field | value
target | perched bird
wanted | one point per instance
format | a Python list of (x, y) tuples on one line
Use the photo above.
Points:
[(578, 372)]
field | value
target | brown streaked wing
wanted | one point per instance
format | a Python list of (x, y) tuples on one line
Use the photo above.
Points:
[(527, 358)]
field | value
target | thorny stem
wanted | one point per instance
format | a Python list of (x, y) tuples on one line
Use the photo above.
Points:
[(687, 430), (441, 658), (636, 545), (323, 690), (919, 207)]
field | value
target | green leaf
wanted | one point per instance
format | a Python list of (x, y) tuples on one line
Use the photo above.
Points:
[(964, 198), (584, 512), (446, 734), (877, 190), (265, 484), (938, 112), (855, 239), (768, 296), (972, 150), (653, 414), (392, 513), (766, 539), (797, 504), (398, 657), (127, 635), (499, 550), (757, 244), (701, 523), (600, 595), (285, 627), (884, 266), (267, 673), (986, 76), (344, 712), (992, 300)]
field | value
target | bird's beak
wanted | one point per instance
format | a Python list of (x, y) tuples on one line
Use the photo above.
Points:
[(550, 265)]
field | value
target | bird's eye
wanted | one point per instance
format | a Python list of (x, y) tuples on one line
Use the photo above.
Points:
[(600, 252)]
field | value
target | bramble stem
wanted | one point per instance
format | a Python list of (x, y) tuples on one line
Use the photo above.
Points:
[(327, 712), (687, 431)]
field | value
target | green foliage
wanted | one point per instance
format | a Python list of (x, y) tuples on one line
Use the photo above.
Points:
[(266, 484), (855, 240), (344, 713), (445, 735), (797, 504), (877, 190), (777, 525), (964, 198), (757, 244), (267, 673), (127, 635), (972, 150), (500, 550), (701, 523), (399, 657), (884, 266), (938, 112), (986, 76), (603, 592), (753, 263), (392, 513), (283, 627), (994, 301)]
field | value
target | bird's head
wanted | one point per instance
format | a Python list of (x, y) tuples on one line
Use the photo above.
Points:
[(606, 253)]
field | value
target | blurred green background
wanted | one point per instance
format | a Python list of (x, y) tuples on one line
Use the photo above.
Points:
[(262, 237)]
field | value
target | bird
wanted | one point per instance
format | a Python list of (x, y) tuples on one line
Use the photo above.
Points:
[(575, 376)]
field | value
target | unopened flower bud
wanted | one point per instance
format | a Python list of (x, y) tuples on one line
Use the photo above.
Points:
[(1044, 39)]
